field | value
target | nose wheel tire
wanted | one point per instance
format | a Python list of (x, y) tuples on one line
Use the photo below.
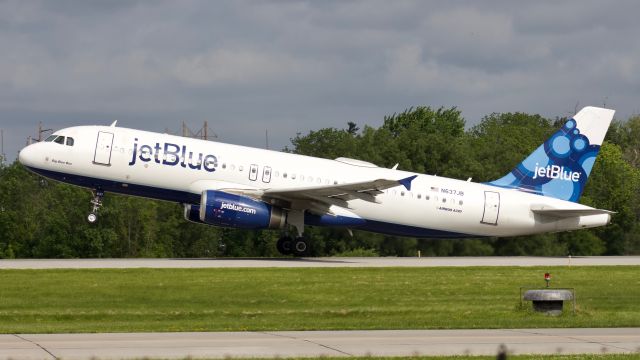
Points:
[(92, 218)]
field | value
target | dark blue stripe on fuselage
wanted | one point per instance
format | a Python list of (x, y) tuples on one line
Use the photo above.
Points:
[(190, 198), (120, 187), (409, 231)]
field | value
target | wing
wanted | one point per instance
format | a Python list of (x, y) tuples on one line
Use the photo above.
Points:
[(568, 213), (319, 198)]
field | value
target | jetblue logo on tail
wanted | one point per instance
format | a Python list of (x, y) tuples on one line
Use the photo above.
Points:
[(555, 172)]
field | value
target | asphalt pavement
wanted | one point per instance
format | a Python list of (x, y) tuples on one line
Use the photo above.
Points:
[(319, 262), (319, 343)]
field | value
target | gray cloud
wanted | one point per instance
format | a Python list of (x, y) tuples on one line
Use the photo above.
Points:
[(291, 66)]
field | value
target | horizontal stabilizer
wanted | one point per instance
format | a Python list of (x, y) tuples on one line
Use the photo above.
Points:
[(568, 213)]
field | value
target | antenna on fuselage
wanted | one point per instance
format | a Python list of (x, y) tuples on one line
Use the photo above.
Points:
[(113, 124), (266, 139)]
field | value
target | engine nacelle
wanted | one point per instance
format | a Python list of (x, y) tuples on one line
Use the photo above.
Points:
[(229, 210), (192, 213)]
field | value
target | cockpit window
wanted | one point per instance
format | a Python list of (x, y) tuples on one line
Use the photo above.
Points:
[(59, 140), (69, 141), (50, 138)]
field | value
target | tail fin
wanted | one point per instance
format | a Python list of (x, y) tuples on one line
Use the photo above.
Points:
[(560, 167)]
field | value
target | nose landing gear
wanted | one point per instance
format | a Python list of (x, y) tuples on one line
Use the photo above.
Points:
[(97, 203)]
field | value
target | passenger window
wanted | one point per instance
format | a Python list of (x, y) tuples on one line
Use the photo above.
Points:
[(419, 196), (240, 167), (293, 176), (69, 141), (284, 175), (59, 140)]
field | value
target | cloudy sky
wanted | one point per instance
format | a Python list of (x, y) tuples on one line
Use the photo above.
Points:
[(294, 66)]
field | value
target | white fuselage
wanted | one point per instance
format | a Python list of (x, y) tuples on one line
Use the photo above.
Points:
[(135, 162)]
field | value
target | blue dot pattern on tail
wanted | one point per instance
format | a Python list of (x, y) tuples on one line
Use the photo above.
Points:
[(559, 168)]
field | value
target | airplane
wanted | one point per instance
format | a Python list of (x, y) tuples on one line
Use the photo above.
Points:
[(249, 188)]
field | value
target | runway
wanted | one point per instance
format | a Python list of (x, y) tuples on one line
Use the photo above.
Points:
[(318, 262), (319, 343)]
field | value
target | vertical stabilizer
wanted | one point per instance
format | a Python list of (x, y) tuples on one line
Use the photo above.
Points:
[(560, 167)]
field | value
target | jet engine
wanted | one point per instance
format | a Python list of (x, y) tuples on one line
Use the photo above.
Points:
[(219, 208)]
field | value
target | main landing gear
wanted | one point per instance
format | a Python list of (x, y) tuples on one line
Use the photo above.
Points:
[(287, 245), (298, 246), (97, 203)]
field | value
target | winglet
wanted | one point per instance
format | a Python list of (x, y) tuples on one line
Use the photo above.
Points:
[(406, 182)]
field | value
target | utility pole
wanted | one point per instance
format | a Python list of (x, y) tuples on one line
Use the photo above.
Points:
[(2, 156), (41, 131), (203, 133)]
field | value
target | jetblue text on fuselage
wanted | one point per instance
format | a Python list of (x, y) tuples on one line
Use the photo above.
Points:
[(172, 155), (555, 172)]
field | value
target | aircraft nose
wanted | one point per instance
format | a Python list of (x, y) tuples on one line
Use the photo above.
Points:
[(27, 155)]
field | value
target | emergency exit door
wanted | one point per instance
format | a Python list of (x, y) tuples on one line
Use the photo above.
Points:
[(491, 208), (104, 143)]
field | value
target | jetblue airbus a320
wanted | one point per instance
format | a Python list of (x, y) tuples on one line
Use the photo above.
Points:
[(242, 187)]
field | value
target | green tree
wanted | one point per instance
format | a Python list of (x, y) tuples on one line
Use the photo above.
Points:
[(614, 184)]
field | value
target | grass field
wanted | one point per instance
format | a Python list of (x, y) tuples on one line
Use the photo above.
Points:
[(113, 300)]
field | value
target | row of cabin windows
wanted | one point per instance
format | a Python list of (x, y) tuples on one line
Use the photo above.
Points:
[(59, 139), (309, 179), (428, 197), (285, 175)]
